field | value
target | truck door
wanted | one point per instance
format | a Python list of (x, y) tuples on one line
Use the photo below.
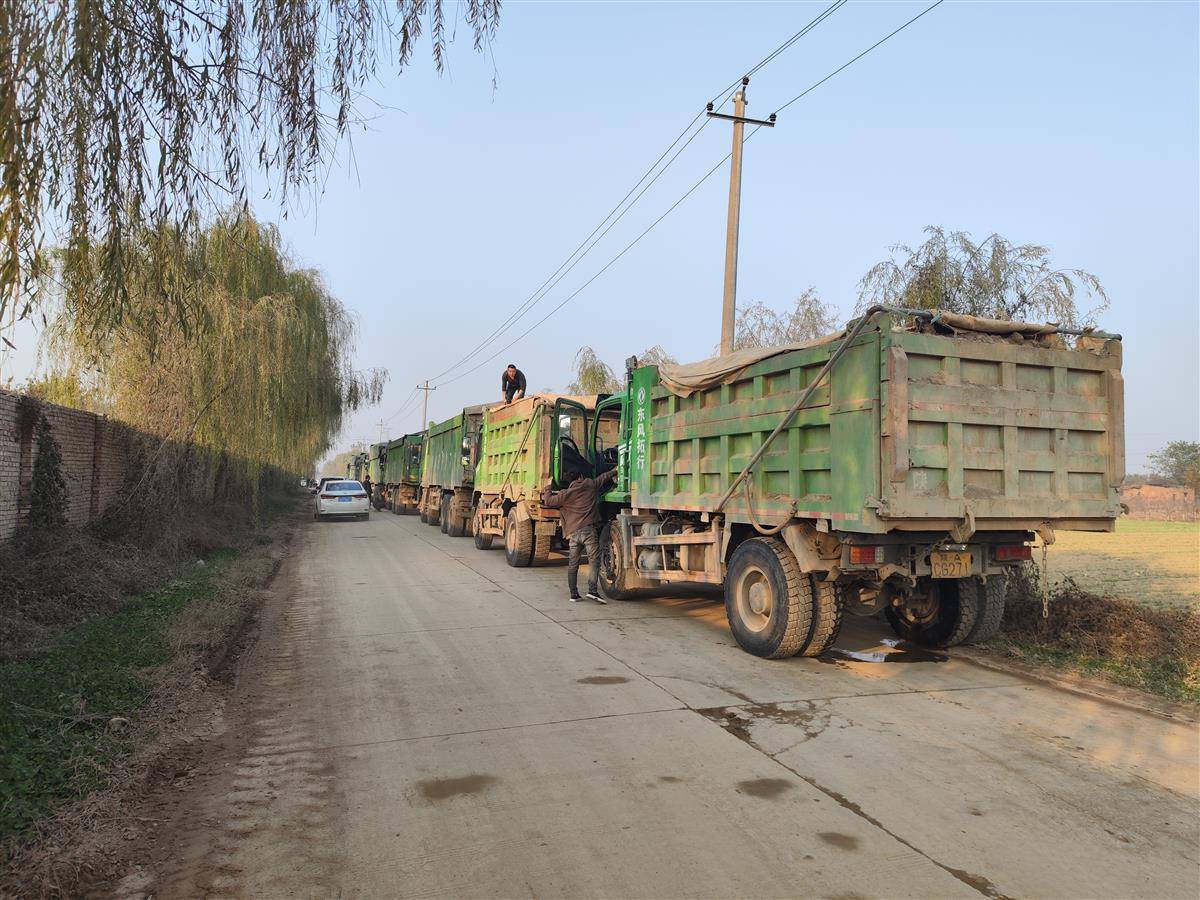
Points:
[(605, 447), (568, 436)]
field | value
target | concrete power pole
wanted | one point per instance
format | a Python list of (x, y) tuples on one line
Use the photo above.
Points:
[(425, 406), (729, 306)]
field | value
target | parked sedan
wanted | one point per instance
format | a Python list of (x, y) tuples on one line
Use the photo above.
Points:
[(342, 498)]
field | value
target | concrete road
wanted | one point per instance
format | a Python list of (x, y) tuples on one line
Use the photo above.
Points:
[(420, 719)]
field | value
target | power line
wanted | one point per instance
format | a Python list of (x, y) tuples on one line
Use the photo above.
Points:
[(403, 403), (607, 265), (567, 264), (847, 65), (689, 192), (602, 234), (576, 256)]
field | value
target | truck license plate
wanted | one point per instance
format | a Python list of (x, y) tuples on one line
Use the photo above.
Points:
[(950, 563)]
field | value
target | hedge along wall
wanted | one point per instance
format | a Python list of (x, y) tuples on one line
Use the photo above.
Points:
[(102, 460)]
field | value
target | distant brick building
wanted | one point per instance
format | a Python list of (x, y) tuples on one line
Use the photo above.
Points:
[(1154, 501)]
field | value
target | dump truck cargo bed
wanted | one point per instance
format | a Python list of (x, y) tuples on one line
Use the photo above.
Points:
[(912, 430)]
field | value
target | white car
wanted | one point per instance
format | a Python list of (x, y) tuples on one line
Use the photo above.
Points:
[(342, 498)]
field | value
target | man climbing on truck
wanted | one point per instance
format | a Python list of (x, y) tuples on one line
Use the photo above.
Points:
[(577, 506), (512, 384)]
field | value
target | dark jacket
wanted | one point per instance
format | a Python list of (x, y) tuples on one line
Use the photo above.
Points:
[(510, 386), (577, 503)]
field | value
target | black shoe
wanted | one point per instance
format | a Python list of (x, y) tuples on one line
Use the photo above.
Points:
[(574, 598), (592, 595)]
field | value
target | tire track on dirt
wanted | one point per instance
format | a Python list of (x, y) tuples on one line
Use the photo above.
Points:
[(267, 824)]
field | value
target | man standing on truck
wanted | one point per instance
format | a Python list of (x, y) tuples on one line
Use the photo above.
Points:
[(577, 507), (512, 384)]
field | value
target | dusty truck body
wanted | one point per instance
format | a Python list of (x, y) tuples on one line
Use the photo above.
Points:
[(402, 473), (375, 468), (903, 468), (448, 473), (357, 466), (528, 446)]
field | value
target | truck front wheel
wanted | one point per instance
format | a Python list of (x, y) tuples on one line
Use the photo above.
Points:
[(612, 564), (938, 613), (768, 600)]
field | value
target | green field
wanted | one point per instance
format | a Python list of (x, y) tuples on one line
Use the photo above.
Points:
[(1156, 563)]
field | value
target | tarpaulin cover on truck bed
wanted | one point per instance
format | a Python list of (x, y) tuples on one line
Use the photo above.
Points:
[(685, 380)]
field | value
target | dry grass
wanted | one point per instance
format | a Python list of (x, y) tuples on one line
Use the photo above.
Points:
[(85, 841), (1148, 562), (1130, 643), (53, 582)]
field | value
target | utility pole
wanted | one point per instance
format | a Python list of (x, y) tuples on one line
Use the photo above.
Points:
[(425, 406), (381, 424), (739, 120)]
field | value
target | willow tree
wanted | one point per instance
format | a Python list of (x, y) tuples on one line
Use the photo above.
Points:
[(759, 325), (128, 121), (592, 375), (268, 378), (994, 278)]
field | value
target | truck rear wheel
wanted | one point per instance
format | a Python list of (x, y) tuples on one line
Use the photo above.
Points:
[(518, 540), (482, 541), (612, 565), (992, 594), (444, 517), (541, 548), (943, 614), (827, 616), (768, 600)]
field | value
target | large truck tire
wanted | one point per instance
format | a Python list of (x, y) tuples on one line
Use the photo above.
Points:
[(444, 517), (518, 540), (541, 548), (483, 541), (827, 616), (612, 565), (992, 594), (457, 527), (946, 619), (768, 600)]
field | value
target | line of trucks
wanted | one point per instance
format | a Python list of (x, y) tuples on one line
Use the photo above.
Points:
[(901, 467)]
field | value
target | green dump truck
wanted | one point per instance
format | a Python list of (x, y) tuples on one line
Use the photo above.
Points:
[(448, 473), (528, 446), (401, 489), (375, 465), (901, 468), (357, 466)]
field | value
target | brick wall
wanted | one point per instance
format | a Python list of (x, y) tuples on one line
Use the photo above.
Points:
[(1152, 501), (10, 464), (87, 447), (101, 458)]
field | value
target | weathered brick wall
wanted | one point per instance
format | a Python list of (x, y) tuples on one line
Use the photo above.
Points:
[(1152, 501), (100, 457), (10, 464), (95, 455)]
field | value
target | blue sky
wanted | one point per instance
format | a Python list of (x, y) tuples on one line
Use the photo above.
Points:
[(1073, 125)]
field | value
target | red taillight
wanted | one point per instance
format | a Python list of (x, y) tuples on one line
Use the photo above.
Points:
[(359, 496), (327, 496), (866, 556), (1013, 552)]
